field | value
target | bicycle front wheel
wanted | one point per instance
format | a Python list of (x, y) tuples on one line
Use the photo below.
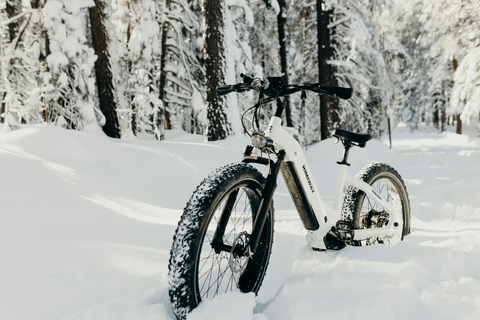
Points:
[(210, 253), (367, 213)]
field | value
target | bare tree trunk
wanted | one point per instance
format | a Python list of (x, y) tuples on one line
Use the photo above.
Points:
[(2, 107), (459, 121), (158, 120), (163, 73), (103, 71), (282, 39), (328, 106), (46, 108), (38, 4), (130, 100), (218, 126), (11, 9), (443, 120), (459, 124)]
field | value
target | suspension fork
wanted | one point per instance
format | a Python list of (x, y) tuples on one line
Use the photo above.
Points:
[(267, 196), (261, 209), (217, 242)]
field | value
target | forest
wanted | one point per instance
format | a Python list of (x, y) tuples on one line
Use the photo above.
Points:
[(109, 119), (141, 67)]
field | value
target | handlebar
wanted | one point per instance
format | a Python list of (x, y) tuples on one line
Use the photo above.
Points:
[(239, 87), (277, 88), (248, 83), (342, 93)]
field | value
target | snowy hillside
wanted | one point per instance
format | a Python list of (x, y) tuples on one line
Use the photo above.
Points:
[(87, 225)]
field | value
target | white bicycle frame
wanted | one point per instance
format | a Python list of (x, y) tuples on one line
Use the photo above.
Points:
[(327, 216)]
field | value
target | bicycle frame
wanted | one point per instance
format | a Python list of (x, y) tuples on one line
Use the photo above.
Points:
[(317, 217)]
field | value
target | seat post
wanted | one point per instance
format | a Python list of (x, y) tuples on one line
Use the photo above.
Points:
[(347, 145)]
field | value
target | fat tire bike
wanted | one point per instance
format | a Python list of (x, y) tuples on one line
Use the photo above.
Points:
[(225, 236)]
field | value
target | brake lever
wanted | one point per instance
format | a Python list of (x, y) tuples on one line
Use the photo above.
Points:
[(247, 79)]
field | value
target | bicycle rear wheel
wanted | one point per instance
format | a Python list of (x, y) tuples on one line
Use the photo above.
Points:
[(365, 212), (210, 254)]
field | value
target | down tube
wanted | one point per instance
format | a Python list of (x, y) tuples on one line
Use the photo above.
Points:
[(294, 154)]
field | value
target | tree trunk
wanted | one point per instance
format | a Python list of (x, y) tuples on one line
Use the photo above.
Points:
[(163, 73), (217, 123), (46, 107), (158, 119), (282, 39), (2, 107), (106, 92), (12, 10), (130, 100), (459, 121), (328, 106), (443, 120), (459, 124)]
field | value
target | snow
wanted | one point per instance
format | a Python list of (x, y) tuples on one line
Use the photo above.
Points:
[(56, 60), (88, 223)]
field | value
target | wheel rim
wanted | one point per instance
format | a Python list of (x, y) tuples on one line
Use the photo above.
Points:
[(220, 272)]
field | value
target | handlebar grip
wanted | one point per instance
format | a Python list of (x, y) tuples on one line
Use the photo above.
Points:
[(342, 93), (223, 90)]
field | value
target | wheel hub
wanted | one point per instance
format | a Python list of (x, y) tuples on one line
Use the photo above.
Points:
[(377, 218), (240, 253)]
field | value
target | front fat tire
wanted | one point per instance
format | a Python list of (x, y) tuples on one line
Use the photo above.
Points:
[(191, 249), (356, 202)]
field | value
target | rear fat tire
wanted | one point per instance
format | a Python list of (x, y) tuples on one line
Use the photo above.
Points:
[(376, 174), (191, 249)]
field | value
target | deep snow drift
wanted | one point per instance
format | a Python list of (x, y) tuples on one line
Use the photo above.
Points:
[(87, 224)]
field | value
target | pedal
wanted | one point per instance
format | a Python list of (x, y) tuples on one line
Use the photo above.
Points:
[(333, 242), (344, 230)]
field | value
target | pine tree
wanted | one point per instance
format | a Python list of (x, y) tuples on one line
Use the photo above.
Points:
[(305, 68), (135, 69), (385, 13), (360, 65), (68, 84), (182, 72), (437, 35), (124, 19), (30, 65), (12, 46), (411, 34), (263, 40), (465, 98), (4, 65)]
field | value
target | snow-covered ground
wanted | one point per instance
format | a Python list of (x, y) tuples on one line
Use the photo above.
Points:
[(87, 224)]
